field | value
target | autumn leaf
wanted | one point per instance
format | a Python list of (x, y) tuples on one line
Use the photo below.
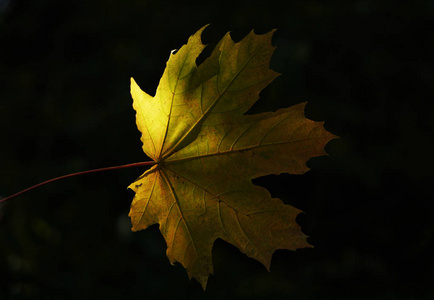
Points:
[(207, 151)]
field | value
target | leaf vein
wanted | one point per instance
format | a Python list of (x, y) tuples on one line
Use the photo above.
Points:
[(179, 207), (209, 109), (178, 160)]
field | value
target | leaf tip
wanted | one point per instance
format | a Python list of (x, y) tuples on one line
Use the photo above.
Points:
[(203, 280), (198, 33), (204, 27), (133, 84)]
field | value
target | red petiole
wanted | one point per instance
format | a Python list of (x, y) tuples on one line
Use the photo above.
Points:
[(139, 164)]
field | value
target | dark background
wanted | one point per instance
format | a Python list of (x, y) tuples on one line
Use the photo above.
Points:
[(365, 67)]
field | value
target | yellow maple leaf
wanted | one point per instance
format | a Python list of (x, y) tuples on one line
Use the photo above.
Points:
[(207, 151)]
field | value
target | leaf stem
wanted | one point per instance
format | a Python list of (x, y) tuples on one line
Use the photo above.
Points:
[(139, 164)]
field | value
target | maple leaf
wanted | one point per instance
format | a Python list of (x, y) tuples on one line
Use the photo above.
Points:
[(207, 151)]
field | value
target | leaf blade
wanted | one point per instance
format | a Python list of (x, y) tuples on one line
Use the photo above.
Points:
[(208, 151)]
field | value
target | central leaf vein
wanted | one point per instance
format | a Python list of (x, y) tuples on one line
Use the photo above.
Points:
[(209, 109)]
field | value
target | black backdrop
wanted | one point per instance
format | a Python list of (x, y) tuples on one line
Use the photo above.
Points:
[(363, 66)]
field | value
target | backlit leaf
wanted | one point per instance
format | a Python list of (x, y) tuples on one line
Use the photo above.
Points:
[(207, 152)]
